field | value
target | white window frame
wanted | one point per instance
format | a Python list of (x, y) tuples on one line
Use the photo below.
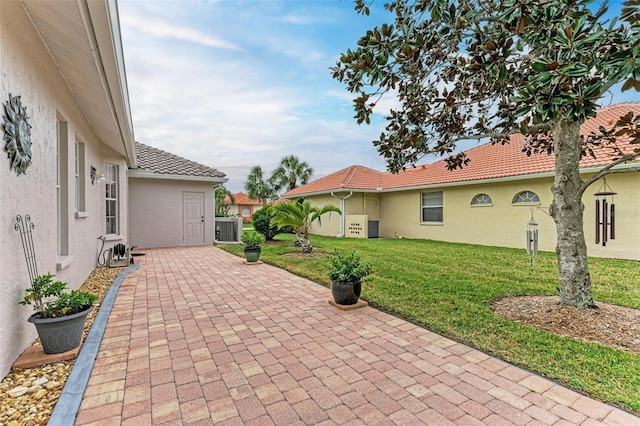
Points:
[(112, 221), (58, 189), (438, 205), (79, 176), (482, 200), (526, 198)]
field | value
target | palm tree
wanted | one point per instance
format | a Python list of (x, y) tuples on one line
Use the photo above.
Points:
[(290, 173), (300, 215), (221, 195), (258, 188)]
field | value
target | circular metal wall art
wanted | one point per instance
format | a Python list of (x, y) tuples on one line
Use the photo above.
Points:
[(17, 134)]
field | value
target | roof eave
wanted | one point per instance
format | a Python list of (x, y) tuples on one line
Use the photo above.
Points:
[(103, 26), (145, 174)]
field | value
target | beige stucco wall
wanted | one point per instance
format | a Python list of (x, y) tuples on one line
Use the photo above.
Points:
[(156, 211), (504, 224), (27, 70), (500, 224), (329, 224)]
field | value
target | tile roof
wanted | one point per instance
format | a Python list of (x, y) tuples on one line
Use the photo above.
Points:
[(160, 162), (242, 198), (487, 162)]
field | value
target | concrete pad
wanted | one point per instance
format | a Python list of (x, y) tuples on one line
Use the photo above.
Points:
[(34, 355), (359, 304)]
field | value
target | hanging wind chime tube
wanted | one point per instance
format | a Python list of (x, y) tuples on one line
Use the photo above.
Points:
[(605, 214), (532, 238)]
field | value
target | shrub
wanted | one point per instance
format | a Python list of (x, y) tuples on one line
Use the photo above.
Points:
[(251, 239), (50, 301), (348, 268), (261, 220)]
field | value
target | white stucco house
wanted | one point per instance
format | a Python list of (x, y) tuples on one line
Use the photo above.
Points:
[(70, 160)]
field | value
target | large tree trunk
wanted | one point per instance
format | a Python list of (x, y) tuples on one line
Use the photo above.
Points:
[(567, 212)]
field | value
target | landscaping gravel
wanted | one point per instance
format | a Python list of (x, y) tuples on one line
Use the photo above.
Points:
[(27, 397)]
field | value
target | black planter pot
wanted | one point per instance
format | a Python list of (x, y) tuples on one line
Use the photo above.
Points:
[(346, 293), (252, 255), (62, 334)]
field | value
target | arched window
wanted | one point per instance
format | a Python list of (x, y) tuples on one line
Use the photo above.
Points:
[(481, 200), (526, 197)]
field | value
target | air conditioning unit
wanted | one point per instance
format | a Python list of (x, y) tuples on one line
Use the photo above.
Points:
[(228, 229)]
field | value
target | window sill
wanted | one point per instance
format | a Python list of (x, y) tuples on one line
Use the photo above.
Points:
[(482, 205), (431, 223), (113, 237), (62, 262), (526, 204), (82, 215)]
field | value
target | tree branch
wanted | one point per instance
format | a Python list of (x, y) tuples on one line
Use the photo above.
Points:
[(608, 170)]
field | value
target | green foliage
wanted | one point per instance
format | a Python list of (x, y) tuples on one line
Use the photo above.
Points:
[(449, 288), (300, 215), (50, 301), (261, 223), (475, 70), (222, 193), (259, 187), (251, 239), (290, 172), (348, 268)]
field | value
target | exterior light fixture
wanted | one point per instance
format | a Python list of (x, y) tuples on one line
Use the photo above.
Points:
[(95, 176)]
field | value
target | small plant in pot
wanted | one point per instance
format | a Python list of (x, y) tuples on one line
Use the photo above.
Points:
[(252, 245), (59, 316), (346, 274)]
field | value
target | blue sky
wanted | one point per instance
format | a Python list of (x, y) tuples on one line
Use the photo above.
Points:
[(234, 84)]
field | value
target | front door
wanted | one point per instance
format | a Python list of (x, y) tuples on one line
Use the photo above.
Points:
[(193, 217)]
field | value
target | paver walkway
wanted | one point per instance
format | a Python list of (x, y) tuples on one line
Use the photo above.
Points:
[(198, 337)]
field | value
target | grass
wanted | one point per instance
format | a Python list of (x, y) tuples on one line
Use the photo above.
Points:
[(449, 289)]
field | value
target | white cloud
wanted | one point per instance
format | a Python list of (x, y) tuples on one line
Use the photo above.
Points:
[(162, 29)]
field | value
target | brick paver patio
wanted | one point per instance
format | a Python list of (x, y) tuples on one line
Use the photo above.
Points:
[(198, 337)]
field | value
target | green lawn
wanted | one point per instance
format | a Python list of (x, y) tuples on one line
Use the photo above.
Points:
[(449, 289)]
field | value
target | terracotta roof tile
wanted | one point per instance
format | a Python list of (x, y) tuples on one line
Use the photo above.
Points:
[(161, 162), (242, 198), (487, 162), (353, 177)]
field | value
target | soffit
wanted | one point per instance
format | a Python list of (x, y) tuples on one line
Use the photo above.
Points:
[(66, 28)]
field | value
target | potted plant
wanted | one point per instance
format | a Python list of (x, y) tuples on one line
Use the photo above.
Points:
[(346, 274), (59, 317), (252, 245)]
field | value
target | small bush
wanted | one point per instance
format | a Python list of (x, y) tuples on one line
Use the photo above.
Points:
[(251, 239), (261, 220)]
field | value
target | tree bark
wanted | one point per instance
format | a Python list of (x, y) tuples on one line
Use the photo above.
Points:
[(567, 212)]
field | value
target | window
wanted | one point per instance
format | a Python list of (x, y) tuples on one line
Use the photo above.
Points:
[(111, 198), (79, 176), (62, 235), (246, 211), (526, 197), (481, 200), (432, 206)]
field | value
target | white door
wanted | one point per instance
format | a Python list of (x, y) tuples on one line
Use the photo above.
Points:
[(193, 217)]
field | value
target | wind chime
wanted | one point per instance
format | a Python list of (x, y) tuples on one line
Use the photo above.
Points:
[(605, 214), (532, 238)]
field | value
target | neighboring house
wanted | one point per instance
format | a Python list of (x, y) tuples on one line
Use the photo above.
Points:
[(488, 202), (82, 177), (243, 206), (171, 200)]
